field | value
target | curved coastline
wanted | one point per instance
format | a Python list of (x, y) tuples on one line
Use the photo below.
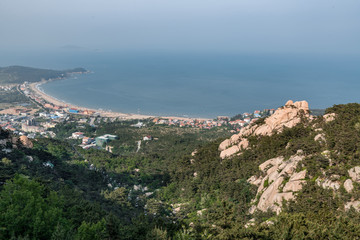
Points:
[(36, 88)]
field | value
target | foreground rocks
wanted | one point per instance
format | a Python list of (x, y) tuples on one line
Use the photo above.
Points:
[(285, 117), (279, 182)]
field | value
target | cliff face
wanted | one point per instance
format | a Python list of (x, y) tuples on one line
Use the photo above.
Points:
[(288, 116), (282, 178), (279, 181)]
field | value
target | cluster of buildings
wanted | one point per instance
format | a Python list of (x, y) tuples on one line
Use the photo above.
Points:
[(26, 125), (98, 142), (203, 124), (236, 122)]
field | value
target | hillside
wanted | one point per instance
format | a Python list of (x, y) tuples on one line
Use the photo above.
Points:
[(289, 176), (19, 74)]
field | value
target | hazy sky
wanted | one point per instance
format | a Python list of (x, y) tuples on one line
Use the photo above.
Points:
[(218, 25)]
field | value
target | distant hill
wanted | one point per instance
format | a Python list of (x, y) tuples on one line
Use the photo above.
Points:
[(20, 74)]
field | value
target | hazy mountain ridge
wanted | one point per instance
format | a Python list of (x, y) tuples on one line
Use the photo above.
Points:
[(20, 74)]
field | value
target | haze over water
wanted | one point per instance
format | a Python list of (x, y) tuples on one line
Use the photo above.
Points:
[(197, 58), (199, 85)]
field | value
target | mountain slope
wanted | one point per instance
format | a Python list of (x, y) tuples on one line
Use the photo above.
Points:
[(299, 181), (20, 74)]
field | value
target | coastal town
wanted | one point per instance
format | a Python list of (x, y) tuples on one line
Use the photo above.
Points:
[(43, 113)]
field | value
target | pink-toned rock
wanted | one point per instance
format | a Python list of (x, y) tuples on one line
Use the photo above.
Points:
[(235, 139), (348, 185), (258, 181), (275, 170), (230, 151), (26, 142), (320, 137), (289, 103), (293, 186), (298, 176), (328, 184), (272, 170), (329, 117), (354, 204), (268, 197), (302, 105), (261, 186), (288, 116), (354, 173), (291, 164), (243, 144), (278, 199), (252, 179), (224, 145), (263, 130), (273, 162), (274, 175)]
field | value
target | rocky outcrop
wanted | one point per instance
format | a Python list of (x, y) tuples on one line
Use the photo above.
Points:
[(25, 141), (352, 204), (329, 117), (348, 185), (285, 117), (328, 183), (320, 138), (354, 173), (279, 182), (15, 141)]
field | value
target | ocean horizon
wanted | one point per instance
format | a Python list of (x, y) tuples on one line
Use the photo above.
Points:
[(197, 84)]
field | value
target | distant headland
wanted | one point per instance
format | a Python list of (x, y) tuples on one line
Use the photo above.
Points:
[(21, 74)]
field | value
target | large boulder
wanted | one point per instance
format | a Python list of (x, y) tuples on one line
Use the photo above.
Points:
[(328, 183), (25, 141), (293, 186), (348, 185), (329, 117), (288, 116), (354, 173), (352, 204), (230, 151), (224, 145), (273, 187)]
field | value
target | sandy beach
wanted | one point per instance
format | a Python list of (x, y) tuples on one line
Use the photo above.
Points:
[(35, 87)]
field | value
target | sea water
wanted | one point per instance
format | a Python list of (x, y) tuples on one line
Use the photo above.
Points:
[(197, 84)]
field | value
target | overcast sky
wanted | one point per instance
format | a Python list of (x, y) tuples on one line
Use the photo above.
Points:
[(331, 26)]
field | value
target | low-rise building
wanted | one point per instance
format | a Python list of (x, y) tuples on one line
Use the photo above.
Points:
[(102, 140), (87, 140), (77, 135)]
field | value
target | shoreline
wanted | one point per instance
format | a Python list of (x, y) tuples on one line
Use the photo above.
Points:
[(35, 88)]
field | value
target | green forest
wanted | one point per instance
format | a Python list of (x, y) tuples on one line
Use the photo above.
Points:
[(20, 74), (176, 186)]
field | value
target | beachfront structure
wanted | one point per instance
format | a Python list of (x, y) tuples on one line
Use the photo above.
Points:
[(102, 140), (72, 110)]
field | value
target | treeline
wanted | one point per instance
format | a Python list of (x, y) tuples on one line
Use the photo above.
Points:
[(12, 97)]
